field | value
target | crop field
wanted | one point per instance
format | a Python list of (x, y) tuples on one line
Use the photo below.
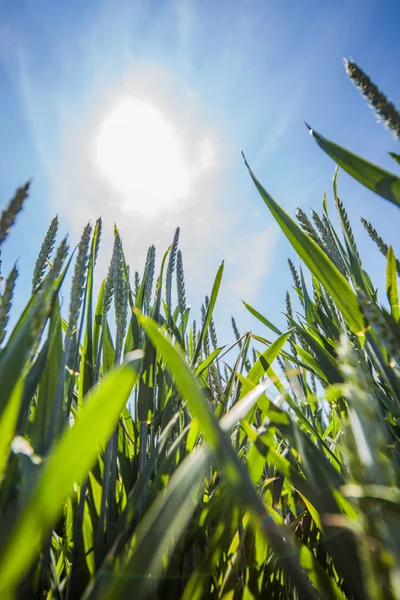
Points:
[(141, 459)]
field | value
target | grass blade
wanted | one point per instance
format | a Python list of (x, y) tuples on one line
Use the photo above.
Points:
[(391, 284), (378, 180), (209, 313), (316, 260), (76, 451)]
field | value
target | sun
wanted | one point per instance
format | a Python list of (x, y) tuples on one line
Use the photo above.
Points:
[(141, 155)]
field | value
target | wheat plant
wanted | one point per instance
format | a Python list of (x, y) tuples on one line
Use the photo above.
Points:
[(143, 459)]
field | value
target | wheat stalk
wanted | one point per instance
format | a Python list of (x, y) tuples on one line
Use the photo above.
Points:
[(171, 269), (213, 334), (308, 228), (344, 219), (206, 338), (148, 276), (180, 284), (386, 110), (6, 301), (120, 292), (336, 256), (98, 231), (9, 215), (328, 241), (137, 283), (212, 329), (44, 302), (374, 235), (289, 313), (44, 253), (295, 275), (108, 292), (78, 279)]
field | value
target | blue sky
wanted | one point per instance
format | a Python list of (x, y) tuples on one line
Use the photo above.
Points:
[(232, 75)]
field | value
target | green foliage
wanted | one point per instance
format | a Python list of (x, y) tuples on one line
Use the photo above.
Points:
[(145, 460)]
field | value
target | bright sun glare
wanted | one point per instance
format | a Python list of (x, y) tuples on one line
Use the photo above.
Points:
[(141, 155)]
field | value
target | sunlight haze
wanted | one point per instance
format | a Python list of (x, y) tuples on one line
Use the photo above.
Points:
[(141, 155)]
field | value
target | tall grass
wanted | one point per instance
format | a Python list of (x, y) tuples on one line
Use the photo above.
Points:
[(227, 477)]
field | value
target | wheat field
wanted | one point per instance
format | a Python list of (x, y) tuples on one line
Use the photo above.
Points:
[(139, 458)]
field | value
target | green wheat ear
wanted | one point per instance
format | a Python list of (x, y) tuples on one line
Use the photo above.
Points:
[(329, 246), (216, 381), (40, 314), (206, 339), (193, 338), (9, 215), (120, 291), (78, 279), (6, 300), (98, 231), (212, 329), (296, 279), (289, 313), (345, 221), (374, 235), (137, 283), (148, 276), (295, 275), (307, 227), (329, 243), (108, 292), (171, 269), (386, 110), (180, 284), (45, 252), (336, 256)]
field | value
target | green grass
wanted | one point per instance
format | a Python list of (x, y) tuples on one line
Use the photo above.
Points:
[(271, 473)]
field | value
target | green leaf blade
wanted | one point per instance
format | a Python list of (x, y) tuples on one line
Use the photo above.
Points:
[(317, 261), (76, 451), (378, 180)]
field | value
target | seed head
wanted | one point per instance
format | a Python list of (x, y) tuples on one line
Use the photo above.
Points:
[(78, 280), (9, 214), (120, 291), (386, 110), (374, 235), (295, 275), (137, 283), (6, 300), (171, 268), (206, 338), (97, 233), (45, 252), (148, 275), (307, 227), (180, 284)]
